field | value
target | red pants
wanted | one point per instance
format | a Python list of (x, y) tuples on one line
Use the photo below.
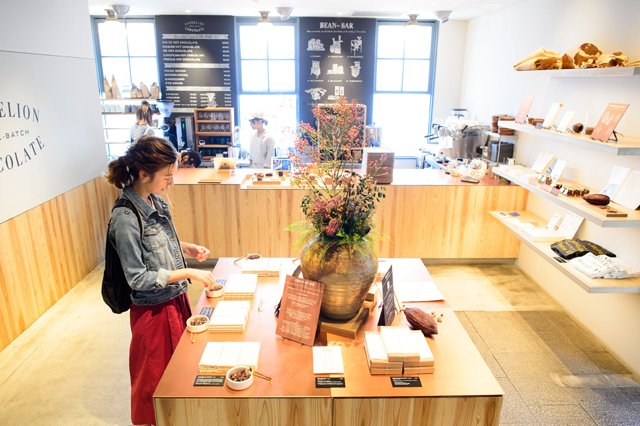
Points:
[(156, 331)]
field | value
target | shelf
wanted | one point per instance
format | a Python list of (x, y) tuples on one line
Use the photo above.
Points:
[(129, 100), (586, 72), (213, 146), (577, 205), (213, 121), (626, 146), (600, 285), (115, 128), (124, 113), (117, 143), (214, 133), (505, 138)]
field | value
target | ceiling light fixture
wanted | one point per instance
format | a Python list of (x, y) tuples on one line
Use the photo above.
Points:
[(111, 18), (412, 21), (339, 13), (284, 12), (187, 11), (120, 10), (264, 20), (442, 15)]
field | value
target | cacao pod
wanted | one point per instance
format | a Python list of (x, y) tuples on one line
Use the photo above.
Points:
[(422, 321), (597, 199)]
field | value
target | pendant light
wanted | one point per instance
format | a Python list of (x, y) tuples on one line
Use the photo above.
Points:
[(442, 15), (264, 20), (412, 21), (111, 18)]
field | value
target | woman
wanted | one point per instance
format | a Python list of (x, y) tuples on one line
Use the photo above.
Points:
[(261, 144), (154, 265), (144, 122)]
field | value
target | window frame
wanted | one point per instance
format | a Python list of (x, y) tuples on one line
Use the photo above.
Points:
[(98, 53), (293, 22), (433, 56)]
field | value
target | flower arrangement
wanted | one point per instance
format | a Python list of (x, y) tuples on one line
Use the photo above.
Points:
[(341, 204)]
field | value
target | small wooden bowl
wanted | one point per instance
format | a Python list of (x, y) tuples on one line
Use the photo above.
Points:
[(214, 293)]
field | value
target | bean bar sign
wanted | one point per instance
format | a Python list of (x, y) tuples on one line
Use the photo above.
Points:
[(330, 382), (406, 382), (209, 381)]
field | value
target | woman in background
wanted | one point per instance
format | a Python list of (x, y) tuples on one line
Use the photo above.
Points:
[(144, 122), (153, 264)]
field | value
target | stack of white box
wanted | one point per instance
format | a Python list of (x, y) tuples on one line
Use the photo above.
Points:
[(220, 357), (241, 286), (230, 316), (262, 267), (398, 350)]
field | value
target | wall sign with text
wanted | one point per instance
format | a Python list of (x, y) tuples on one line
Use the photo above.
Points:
[(196, 61)]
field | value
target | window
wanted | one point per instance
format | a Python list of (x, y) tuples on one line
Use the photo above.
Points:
[(126, 52), (405, 64), (268, 80)]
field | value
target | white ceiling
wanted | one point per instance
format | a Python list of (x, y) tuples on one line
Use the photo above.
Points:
[(462, 9)]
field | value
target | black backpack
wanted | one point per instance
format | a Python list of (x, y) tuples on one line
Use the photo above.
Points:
[(116, 291)]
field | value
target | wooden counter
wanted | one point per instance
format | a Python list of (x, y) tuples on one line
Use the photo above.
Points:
[(462, 390), (426, 214)]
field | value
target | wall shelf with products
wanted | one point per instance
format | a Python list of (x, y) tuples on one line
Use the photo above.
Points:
[(586, 72), (577, 204), (214, 130), (625, 146), (600, 285)]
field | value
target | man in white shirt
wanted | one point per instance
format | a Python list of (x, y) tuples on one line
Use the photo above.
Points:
[(261, 143)]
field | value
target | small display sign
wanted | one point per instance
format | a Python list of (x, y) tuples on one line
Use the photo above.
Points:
[(388, 296), (207, 311), (608, 122), (406, 382), (329, 382), (300, 310), (209, 381), (521, 118)]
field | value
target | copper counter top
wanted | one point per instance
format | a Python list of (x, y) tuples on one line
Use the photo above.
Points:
[(460, 370)]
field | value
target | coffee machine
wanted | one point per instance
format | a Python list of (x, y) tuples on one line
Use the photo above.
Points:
[(168, 127)]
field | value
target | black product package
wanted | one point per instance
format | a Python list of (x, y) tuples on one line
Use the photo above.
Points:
[(596, 249), (569, 249)]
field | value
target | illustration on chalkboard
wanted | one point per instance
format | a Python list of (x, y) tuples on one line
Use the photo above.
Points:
[(316, 93), (355, 69), (211, 100), (356, 45), (336, 47), (336, 69), (338, 91), (315, 68), (315, 45)]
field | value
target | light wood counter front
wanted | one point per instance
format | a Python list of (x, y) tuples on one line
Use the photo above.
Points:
[(426, 214), (462, 391)]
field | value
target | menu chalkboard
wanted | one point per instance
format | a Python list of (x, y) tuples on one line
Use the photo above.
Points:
[(196, 61), (336, 59)]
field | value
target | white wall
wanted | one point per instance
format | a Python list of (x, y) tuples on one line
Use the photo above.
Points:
[(452, 40), (497, 41), (47, 63)]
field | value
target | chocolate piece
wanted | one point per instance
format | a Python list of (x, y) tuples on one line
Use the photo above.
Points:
[(578, 127), (588, 131)]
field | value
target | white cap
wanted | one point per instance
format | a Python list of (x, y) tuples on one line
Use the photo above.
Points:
[(256, 114)]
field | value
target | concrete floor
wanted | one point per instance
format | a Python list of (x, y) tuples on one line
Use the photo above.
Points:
[(71, 366)]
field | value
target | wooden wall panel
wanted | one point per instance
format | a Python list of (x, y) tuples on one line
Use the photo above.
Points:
[(421, 221), (477, 411), (243, 411), (47, 250)]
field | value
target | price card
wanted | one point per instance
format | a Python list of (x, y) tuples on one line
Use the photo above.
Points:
[(608, 122), (209, 381), (330, 382), (406, 382), (524, 109)]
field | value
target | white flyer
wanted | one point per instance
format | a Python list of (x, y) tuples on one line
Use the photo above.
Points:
[(551, 115), (327, 360), (553, 223), (564, 124), (542, 162), (629, 193), (557, 170), (570, 225), (618, 176), (424, 291)]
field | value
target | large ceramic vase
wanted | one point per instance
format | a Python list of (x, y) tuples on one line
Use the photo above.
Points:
[(347, 273)]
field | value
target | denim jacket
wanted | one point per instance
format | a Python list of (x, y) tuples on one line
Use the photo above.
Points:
[(147, 264)]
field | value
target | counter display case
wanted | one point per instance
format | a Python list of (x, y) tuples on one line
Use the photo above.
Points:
[(214, 131)]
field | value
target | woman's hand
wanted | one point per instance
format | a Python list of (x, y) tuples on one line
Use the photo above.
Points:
[(203, 276), (199, 253)]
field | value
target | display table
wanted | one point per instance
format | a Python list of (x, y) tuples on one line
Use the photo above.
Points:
[(462, 391)]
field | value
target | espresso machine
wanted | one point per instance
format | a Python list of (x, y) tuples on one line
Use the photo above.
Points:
[(168, 127)]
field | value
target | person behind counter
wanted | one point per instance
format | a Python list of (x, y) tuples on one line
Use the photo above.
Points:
[(190, 160), (261, 143), (153, 265), (144, 122)]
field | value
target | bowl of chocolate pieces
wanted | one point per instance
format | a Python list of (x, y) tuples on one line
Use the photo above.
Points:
[(216, 290), (239, 378), (197, 324), (253, 256)]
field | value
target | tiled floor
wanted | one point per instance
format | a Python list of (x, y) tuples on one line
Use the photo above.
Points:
[(552, 370), (71, 366)]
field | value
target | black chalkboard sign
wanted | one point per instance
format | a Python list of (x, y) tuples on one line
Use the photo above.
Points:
[(196, 61), (388, 296), (337, 57)]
